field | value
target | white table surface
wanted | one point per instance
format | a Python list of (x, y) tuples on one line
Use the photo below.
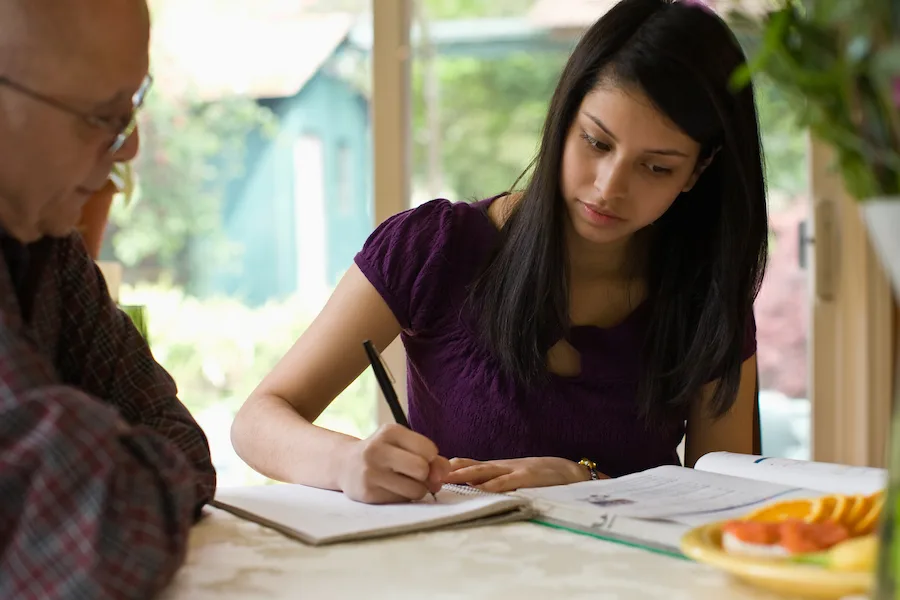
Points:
[(233, 558)]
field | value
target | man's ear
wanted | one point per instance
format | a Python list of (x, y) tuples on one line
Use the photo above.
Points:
[(698, 171)]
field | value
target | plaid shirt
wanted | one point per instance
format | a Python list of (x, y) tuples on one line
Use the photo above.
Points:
[(102, 470)]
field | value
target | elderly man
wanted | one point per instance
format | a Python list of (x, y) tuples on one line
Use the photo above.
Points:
[(102, 470)]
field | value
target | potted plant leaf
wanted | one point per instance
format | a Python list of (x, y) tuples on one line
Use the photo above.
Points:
[(839, 60), (95, 213)]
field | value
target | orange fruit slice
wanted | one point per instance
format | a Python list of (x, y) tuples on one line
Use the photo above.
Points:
[(867, 523), (781, 511), (821, 509), (858, 509), (841, 509)]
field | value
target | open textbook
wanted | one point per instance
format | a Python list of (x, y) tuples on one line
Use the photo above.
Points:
[(655, 508), (652, 509)]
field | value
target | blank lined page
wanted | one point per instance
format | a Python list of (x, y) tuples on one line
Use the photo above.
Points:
[(320, 516)]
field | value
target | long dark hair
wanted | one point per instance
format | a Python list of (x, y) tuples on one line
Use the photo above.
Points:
[(707, 253)]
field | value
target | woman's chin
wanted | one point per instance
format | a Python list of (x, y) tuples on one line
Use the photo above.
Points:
[(602, 235)]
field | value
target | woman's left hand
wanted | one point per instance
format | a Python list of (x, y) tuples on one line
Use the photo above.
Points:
[(507, 475)]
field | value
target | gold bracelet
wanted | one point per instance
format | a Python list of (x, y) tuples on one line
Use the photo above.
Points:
[(590, 466)]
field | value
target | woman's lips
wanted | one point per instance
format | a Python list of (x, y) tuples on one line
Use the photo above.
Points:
[(599, 216)]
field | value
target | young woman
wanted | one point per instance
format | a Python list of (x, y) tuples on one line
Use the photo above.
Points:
[(576, 329)]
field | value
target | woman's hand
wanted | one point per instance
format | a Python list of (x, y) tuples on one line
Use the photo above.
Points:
[(508, 475), (393, 465)]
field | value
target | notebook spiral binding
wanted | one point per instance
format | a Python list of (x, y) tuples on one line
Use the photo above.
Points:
[(466, 490)]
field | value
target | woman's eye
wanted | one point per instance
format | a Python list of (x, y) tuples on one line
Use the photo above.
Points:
[(658, 170), (594, 142)]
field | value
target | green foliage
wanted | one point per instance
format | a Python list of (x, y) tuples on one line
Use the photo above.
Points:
[(839, 63), (492, 112), (783, 140), (218, 351), (190, 153), (469, 9), (438, 9)]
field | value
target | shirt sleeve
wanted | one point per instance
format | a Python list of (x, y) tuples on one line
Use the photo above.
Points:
[(93, 507), (408, 261), (102, 353)]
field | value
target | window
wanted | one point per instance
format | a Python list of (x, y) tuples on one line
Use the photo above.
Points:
[(345, 180), (231, 241), (310, 221), (482, 77)]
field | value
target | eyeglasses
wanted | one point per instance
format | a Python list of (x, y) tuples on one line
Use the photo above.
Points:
[(122, 128)]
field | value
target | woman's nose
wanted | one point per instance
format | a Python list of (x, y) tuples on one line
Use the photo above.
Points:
[(611, 179)]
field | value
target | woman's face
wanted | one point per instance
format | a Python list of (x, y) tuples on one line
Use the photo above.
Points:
[(623, 164)]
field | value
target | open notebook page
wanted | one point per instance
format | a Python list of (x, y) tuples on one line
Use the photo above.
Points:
[(320, 516), (669, 493), (823, 477)]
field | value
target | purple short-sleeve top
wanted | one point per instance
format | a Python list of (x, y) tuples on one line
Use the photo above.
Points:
[(422, 263)]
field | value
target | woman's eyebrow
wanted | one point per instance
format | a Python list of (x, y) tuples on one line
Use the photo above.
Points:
[(660, 151)]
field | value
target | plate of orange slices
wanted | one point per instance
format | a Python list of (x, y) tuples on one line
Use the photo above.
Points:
[(822, 547)]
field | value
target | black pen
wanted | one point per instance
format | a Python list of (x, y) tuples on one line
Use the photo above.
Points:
[(387, 389)]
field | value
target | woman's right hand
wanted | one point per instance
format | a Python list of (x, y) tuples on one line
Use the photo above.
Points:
[(395, 464)]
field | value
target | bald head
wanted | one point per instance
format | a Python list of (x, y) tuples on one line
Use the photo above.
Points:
[(38, 32), (88, 55)]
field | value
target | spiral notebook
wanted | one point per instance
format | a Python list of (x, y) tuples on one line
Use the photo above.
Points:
[(316, 517)]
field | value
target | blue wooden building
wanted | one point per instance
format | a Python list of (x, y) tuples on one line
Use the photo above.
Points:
[(302, 207)]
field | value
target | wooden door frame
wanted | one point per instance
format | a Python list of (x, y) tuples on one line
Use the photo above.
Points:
[(391, 122), (852, 330)]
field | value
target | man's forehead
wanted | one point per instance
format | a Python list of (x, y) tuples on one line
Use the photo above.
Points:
[(71, 26), (72, 40)]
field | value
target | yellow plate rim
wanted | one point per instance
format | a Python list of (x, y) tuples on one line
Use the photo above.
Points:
[(699, 544)]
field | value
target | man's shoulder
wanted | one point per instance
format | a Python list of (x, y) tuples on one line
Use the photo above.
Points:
[(62, 268), (72, 244), (68, 254)]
